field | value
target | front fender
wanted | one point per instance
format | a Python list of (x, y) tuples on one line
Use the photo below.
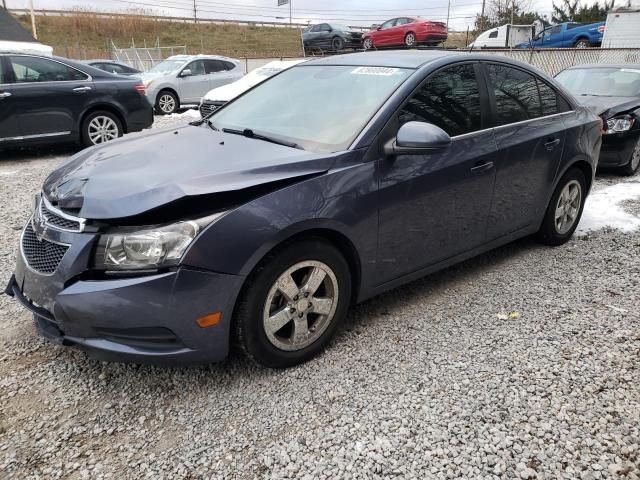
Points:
[(344, 201)]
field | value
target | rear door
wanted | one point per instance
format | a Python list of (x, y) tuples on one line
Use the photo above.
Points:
[(397, 33), (530, 136), (50, 95), (9, 125)]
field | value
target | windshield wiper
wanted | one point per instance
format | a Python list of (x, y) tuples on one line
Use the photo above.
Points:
[(206, 120), (247, 132)]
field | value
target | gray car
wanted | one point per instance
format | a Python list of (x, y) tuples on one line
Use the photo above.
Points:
[(185, 79)]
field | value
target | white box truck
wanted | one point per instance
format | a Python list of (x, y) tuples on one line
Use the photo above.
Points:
[(504, 36), (622, 29)]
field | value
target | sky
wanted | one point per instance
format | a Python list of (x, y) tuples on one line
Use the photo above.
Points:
[(351, 12)]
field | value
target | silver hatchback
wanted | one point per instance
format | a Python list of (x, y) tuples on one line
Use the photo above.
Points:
[(185, 79)]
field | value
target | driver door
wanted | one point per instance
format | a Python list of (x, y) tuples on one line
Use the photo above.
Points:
[(435, 205), (9, 126), (193, 82)]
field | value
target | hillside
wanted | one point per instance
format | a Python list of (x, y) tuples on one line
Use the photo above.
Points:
[(85, 35)]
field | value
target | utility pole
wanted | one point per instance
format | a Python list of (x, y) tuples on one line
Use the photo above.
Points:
[(482, 16), (195, 12), (448, 12), (33, 20), (290, 17), (4, 4)]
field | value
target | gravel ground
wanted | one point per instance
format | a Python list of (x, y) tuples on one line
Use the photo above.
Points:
[(522, 363)]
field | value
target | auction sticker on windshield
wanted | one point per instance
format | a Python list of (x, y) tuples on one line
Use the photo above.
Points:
[(384, 71)]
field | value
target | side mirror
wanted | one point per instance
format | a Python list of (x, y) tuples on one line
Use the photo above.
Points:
[(417, 138), (379, 28), (186, 72)]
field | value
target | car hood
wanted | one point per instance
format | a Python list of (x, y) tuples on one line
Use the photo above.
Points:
[(231, 90), (609, 106), (132, 176), (147, 76)]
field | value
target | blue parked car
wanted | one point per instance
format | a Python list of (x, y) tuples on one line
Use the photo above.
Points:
[(568, 35), (327, 184)]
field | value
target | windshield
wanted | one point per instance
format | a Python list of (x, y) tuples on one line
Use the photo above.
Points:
[(167, 66), (602, 82), (321, 108)]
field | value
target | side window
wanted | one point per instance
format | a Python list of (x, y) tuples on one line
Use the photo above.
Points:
[(325, 27), (197, 67), (228, 65), (215, 66), (516, 94), (315, 28), (494, 34), (548, 99), (402, 21), (555, 30), (449, 99), (388, 24), (34, 69), (112, 67)]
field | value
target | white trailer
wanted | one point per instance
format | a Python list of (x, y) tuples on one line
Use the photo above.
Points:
[(622, 29), (504, 36)]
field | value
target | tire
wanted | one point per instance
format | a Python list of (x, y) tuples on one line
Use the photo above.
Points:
[(100, 127), (167, 103), (582, 43), (631, 168), (337, 44), (264, 298), (557, 231), (410, 40), (367, 44)]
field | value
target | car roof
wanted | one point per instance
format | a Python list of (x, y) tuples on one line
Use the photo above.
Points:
[(193, 57), (635, 66)]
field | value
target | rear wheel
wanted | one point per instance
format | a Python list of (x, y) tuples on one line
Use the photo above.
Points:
[(632, 167), (564, 210), (337, 44), (582, 43), (293, 303), (167, 103), (410, 40), (100, 127), (367, 44)]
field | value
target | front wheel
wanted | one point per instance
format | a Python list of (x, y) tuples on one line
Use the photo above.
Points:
[(367, 44), (293, 303), (410, 40), (100, 127), (337, 44), (565, 209), (632, 167), (582, 43), (167, 103)]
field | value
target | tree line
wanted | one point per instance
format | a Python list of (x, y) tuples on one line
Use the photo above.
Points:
[(519, 12)]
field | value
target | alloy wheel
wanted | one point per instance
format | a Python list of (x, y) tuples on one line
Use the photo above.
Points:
[(410, 40), (367, 44), (568, 207), (300, 305), (635, 158), (102, 129), (167, 103)]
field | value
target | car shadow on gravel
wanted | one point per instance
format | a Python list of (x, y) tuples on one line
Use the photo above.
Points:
[(22, 155)]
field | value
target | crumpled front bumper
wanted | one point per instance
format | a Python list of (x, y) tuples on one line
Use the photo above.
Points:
[(146, 319)]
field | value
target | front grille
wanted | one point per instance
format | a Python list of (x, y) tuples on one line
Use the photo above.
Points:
[(58, 221), (207, 108), (42, 256)]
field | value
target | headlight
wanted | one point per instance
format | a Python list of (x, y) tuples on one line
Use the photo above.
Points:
[(148, 248), (619, 124)]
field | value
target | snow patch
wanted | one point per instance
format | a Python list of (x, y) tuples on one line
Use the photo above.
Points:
[(603, 208)]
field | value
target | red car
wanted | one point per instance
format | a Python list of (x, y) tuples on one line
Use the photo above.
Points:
[(406, 31)]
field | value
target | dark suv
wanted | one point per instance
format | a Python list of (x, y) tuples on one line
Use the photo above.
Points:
[(46, 99)]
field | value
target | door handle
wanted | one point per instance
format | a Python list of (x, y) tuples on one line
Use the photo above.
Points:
[(551, 143), (5, 95), (481, 168), (81, 89)]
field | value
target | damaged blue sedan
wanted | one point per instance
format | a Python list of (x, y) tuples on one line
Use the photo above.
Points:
[(330, 183)]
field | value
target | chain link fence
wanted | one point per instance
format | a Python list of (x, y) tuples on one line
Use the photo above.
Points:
[(143, 58), (553, 61)]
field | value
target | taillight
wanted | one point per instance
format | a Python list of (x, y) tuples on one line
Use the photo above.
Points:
[(140, 89)]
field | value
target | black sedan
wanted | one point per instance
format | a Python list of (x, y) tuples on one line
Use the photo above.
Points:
[(330, 37), (51, 99), (112, 66), (613, 93)]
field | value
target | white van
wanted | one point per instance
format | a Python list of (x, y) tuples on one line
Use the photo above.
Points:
[(621, 30), (504, 36)]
